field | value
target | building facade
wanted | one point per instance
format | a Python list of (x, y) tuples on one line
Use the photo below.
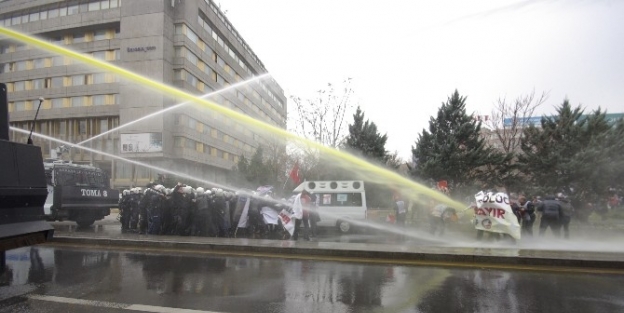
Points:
[(187, 44), (513, 130)]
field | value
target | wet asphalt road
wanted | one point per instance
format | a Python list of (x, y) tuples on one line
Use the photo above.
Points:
[(65, 279)]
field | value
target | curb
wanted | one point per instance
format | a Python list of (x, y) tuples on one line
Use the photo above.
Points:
[(361, 253)]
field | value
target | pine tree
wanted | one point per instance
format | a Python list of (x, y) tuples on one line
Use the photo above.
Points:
[(571, 151), (365, 140), (452, 149), (252, 173)]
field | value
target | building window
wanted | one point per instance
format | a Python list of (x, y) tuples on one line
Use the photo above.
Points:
[(34, 17), (53, 13), (100, 35), (179, 29), (57, 61), (191, 80), (94, 6), (82, 127), (192, 36), (20, 66), (78, 38), (99, 78), (76, 101), (123, 170), (39, 63), (20, 106), (39, 84), (57, 82), (78, 80), (100, 55), (99, 100), (73, 9), (189, 144), (19, 86), (62, 128), (57, 103), (103, 125)]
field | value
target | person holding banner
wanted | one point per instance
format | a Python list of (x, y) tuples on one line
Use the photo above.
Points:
[(301, 209), (493, 214), (527, 214)]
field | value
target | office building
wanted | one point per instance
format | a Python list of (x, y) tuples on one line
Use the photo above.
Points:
[(187, 44)]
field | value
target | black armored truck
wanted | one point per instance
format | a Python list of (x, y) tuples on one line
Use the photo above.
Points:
[(23, 190)]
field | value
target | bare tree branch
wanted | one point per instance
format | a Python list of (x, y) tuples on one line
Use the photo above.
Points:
[(323, 119), (509, 118)]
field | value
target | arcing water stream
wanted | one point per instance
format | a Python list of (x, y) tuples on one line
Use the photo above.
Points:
[(373, 226), (177, 106), (355, 165)]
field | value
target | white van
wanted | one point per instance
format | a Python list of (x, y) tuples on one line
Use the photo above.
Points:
[(338, 202)]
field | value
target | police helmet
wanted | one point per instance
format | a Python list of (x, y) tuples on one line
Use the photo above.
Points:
[(125, 192), (199, 190)]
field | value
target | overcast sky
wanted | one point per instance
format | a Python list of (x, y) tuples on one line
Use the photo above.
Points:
[(406, 57)]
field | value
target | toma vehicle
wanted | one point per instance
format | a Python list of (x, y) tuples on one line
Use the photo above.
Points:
[(338, 203), (79, 193), (22, 190)]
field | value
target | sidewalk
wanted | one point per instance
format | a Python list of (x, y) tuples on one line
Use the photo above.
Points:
[(362, 252)]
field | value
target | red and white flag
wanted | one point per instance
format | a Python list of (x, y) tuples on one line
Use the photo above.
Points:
[(294, 174)]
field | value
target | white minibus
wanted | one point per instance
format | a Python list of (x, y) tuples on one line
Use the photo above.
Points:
[(338, 202)]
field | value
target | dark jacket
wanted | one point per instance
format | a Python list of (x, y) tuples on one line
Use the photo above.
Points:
[(550, 208), (566, 207)]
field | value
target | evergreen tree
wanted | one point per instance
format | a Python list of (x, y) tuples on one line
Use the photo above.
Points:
[(365, 140), (570, 150), (252, 173), (257, 172), (452, 149)]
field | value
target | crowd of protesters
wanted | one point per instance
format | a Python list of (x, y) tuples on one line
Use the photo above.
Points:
[(552, 213), (186, 211)]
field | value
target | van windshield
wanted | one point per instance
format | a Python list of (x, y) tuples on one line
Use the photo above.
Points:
[(80, 177)]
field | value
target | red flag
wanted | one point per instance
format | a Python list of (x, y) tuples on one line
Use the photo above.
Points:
[(294, 174)]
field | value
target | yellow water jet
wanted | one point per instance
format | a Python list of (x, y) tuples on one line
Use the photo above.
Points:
[(359, 166)]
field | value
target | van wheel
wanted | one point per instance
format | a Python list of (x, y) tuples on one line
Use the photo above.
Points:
[(344, 226), (85, 222)]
